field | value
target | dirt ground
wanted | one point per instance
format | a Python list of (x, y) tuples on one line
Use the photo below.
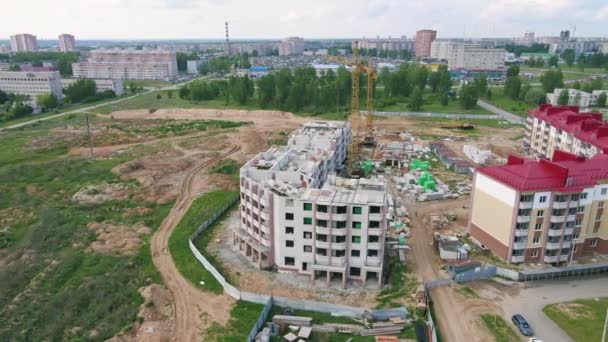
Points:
[(117, 239)]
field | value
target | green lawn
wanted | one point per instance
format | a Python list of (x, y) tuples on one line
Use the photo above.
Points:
[(476, 122), (432, 105), (242, 318), (55, 284), (500, 100), (502, 331), (401, 286), (148, 83), (582, 320), (201, 209)]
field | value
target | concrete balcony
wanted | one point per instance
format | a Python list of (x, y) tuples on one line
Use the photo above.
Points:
[(571, 218), (338, 245), (321, 216), (374, 231), (555, 232), (560, 205), (338, 217), (265, 242), (265, 229), (523, 219), (525, 205), (321, 230), (321, 244), (322, 259), (573, 204), (375, 217), (564, 257), (521, 232), (566, 244), (554, 245), (338, 261), (569, 231), (520, 245), (517, 259), (374, 245), (373, 261), (338, 231), (264, 215), (558, 219), (551, 259)]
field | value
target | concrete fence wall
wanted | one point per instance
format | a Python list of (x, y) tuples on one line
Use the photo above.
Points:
[(261, 322), (507, 273)]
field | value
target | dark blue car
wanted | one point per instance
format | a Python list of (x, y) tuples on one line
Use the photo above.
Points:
[(522, 325)]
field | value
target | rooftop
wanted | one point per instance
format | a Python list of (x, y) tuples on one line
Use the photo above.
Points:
[(564, 173), (587, 127)]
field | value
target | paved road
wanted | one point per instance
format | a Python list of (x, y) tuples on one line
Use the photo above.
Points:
[(512, 118), (80, 110), (533, 297), (438, 115)]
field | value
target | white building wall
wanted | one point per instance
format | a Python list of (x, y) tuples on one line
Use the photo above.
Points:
[(31, 83)]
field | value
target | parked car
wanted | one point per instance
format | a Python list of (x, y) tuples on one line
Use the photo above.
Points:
[(522, 325), (534, 339)]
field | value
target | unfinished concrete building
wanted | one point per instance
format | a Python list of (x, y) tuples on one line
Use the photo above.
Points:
[(298, 216)]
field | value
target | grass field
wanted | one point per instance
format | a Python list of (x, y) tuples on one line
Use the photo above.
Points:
[(201, 209), (53, 288), (476, 122), (582, 320), (501, 330), (243, 317), (432, 105), (500, 100)]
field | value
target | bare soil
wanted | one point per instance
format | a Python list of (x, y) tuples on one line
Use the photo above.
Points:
[(117, 239)]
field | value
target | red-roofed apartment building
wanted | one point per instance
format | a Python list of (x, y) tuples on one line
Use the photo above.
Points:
[(544, 211), (550, 128)]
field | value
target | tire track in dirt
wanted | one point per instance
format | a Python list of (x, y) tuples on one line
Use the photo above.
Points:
[(191, 305)]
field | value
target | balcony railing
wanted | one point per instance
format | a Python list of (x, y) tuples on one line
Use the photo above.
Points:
[(558, 219), (338, 217), (373, 261), (526, 205), (338, 245), (569, 231), (374, 231), (554, 245), (374, 245), (517, 258), (551, 259), (519, 245), (321, 244), (375, 217), (555, 232), (322, 216), (564, 257), (523, 219), (560, 205), (322, 230), (338, 231)]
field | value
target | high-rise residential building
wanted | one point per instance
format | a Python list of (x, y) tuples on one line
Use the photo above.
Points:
[(67, 43), (550, 128), (31, 84), (468, 56), (424, 39), (386, 44), (128, 65), (545, 211), (529, 37), (23, 42), (564, 36), (291, 46), (297, 216)]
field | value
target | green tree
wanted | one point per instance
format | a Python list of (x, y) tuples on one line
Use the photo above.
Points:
[(576, 85), (21, 110), (552, 79), (47, 101), (193, 56), (480, 82), (159, 96), (267, 91), (569, 56), (445, 81), (80, 90), (513, 87), (524, 90), (601, 100), (132, 87), (513, 71), (415, 100), (443, 98), (434, 81), (170, 94), (468, 96), (534, 97), (553, 61), (184, 92), (182, 61), (563, 98)]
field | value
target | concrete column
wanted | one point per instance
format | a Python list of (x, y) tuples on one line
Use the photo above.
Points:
[(343, 280), (328, 278)]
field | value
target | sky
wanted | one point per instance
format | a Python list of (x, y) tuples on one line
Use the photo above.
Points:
[(191, 19)]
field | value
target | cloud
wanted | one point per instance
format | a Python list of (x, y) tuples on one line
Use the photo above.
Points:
[(526, 8), (601, 14)]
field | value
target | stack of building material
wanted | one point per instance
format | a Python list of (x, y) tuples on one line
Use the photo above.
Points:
[(290, 337), (478, 156), (389, 329), (324, 328), (292, 320)]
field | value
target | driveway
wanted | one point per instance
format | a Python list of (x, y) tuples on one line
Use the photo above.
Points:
[(512, 118), (529, 300)]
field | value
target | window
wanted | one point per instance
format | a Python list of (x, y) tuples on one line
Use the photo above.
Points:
[(526, 198), (536, 239), (575, 197), (598, 216), (308, 220), (583, 195), (355, 253), (593, 243), (534, 253), (355, 271), (558, 212), (542, 199), (307, 206), (356, 239), (288, 243), (374, 209), (307, 235), (307, 249), (289, 216), (374, 224), (603, 191), (538, 226), (290, 261), (372, 252), (339, 224), (572, 211), (521, 226), (322, 237), (357, 210), (340, 210), (540, 213), (576, 236), (322, 223), (596, 227), (570, 224), (288, 230), (523, 212), (578, 222), (600, 204), (581, 210), (356, 225), (322, 208)]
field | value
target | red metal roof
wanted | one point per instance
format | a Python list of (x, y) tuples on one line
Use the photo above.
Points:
[(587, 127), (565, 173)]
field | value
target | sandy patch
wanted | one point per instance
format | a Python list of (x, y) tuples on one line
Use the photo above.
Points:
[(117, 239), (99, 193)]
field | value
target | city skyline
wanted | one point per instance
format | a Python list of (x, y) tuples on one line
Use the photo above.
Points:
[(204, 19)]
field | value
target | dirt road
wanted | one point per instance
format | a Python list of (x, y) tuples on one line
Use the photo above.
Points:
[(191, 305), (458, 316)]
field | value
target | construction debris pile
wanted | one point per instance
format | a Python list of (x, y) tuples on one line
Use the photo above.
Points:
[(423, 186), (399, 153), (450, 247), (479, 157), (451, 160), (300, 328)]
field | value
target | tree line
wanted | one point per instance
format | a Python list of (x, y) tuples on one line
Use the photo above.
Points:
[(64, 60)]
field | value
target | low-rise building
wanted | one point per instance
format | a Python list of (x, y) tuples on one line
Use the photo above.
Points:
[(31, 84), (545, 211), (117, 86), (297, 216), (576, 97), (550, 128)]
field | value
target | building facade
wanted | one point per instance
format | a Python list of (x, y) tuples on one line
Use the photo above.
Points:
[(128, 65), (296, 216), (387, 44), (24, 42), (67, 43), (551, 128), (576, 97), (116, 85), (31, 84), (424, 39), (546, 211), (468, 56), (292, 46)]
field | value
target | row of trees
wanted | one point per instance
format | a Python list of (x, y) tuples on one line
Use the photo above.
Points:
[(12, 106), (85, 91), (64, 60), (589, 87), (223, 64), (539, 62), (593, 60), (534, 48)]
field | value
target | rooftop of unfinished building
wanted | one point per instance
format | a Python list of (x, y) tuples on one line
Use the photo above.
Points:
[(348, 190)]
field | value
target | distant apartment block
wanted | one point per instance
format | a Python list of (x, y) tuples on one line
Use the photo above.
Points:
[(468, 56), (192, 66), (23, 42), (128, 65), (386, 44), (546, 211), (424, 39), (550, 128), (576, 97), (297, 216), (291, 46), (31, 84), (116, 85), (67, 43)]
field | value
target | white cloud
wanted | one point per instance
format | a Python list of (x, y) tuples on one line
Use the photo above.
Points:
[(601, 14), (505, 8)]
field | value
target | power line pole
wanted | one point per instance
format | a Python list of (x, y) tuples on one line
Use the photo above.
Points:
[(90, 137), (605, 326)]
